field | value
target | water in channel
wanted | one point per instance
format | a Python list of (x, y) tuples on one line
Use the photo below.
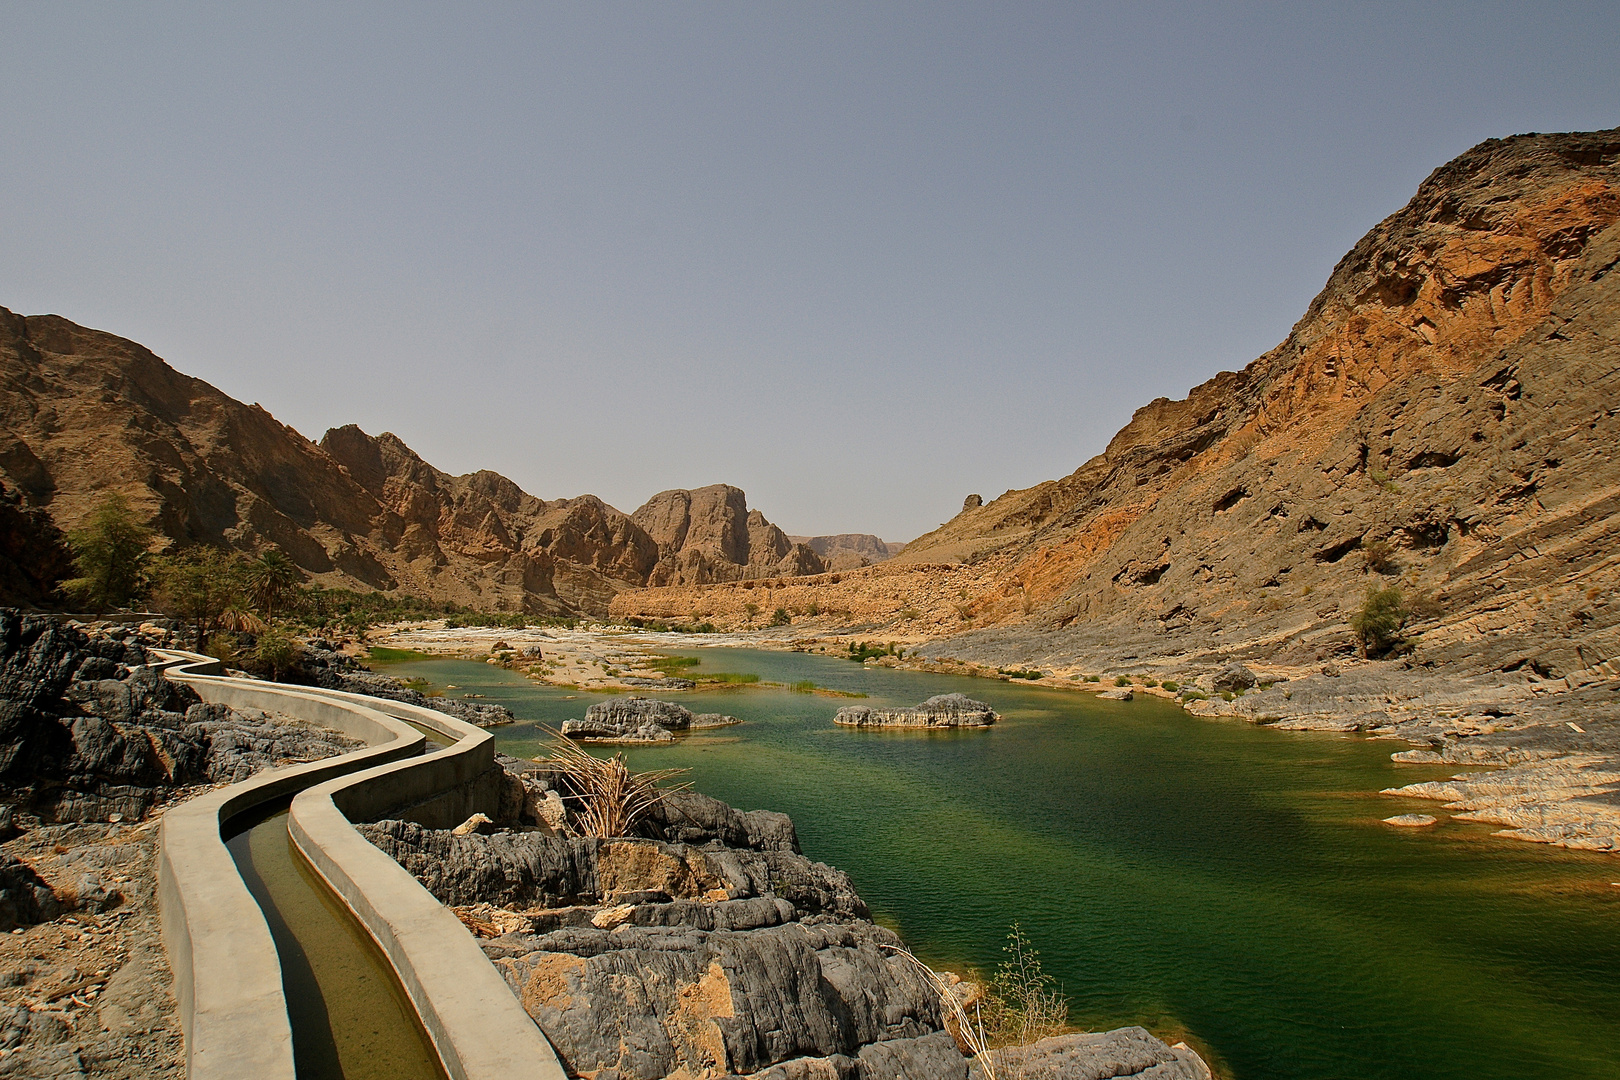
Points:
[(1206, 879), (350, 1017)]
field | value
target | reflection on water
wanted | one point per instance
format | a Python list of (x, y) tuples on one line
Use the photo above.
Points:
[(1202, 878)]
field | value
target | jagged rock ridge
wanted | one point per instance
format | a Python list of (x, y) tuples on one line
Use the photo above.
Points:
[(83, 412)]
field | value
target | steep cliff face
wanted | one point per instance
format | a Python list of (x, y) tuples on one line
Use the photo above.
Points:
[(1442, 418), (84, 412), (1442, 415), (709, 535)]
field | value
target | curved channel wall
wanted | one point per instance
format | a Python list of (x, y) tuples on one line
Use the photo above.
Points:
[(227, 973)]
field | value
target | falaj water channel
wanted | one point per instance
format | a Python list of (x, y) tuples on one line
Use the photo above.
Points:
[(1207, 879), (350, 1019)]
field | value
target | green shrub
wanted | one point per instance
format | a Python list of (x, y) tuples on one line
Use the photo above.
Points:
[(1123, 680), (1194, 695), (1150, 682), (1093, 678), (1170, 686), (803, 686), (1379, 623), (780, 617), (276, 652), (109, 553), (1227, 695)]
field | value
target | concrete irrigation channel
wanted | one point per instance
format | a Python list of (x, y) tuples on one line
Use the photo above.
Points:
[(382, 979)]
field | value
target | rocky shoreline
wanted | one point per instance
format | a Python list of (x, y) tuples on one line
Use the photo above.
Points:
[(1551, 743), (708, 945)]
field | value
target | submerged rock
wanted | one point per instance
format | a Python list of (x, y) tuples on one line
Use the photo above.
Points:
[(940, 711), (1411, 820)]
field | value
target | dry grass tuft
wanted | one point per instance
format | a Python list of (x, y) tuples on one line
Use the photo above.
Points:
[(609, 799)]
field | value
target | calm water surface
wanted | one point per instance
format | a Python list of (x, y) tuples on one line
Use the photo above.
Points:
[(1206, 879)]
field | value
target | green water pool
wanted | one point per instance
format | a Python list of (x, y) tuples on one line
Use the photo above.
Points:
[(1207, 879)]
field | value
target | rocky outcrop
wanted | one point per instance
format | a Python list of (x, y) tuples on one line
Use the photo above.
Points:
[(332, 670), (33, 553), (1125, 1052), (710, 535), (706, 945), (89, 732), (639, 720), (648, 957), (940, 711)]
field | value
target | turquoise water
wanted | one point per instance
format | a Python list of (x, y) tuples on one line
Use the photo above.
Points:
[(1206, 879)]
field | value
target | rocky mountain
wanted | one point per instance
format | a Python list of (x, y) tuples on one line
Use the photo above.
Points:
[(1442, 418), (709, 535), (849, 551), (83, 412)]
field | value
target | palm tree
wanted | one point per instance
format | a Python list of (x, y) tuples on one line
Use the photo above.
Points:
[(271, 579)]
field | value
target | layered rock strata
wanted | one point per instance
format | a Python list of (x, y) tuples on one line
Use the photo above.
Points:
[(940, 711), (639, 720), (90, 732), (709, 945)]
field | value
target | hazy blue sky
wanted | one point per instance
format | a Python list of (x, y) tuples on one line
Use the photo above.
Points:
[(858, 260)]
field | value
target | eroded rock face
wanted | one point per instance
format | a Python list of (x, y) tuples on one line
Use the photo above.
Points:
[(940, 711), (710, 535), (648, 1002), (87, 730), (639, 720), (1124, 1052), (89, 412)]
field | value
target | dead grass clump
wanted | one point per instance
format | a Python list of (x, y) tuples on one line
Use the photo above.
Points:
[(608, 798), (1021, 1006)]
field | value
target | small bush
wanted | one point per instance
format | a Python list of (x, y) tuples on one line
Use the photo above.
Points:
[(780, 617), (813, 610), (1379, 623), (1093, 678), (1123, 680), (1227, 695), (276, 652), (803, 686), (1170, 686), (1150, 682), (1379, 557), (1194, 695), (910, 613), (751, 609)]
